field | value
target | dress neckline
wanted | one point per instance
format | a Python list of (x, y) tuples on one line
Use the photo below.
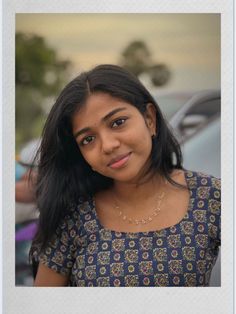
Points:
[(101, 227)]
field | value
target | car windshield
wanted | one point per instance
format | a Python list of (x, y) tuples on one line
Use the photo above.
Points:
[(171, 103)]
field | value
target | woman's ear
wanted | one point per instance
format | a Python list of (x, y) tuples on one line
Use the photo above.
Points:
[(150, 118)]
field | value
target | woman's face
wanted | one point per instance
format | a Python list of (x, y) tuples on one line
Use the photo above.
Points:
[(114, 137)]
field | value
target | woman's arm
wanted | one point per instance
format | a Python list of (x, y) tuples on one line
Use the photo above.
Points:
[(25, 188), (47, 277)]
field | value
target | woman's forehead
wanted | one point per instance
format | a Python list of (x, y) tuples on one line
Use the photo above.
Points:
[(99, 108), (100, 104)]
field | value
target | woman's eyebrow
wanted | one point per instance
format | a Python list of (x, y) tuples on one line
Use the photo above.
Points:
[(110, 114), (107, 116)]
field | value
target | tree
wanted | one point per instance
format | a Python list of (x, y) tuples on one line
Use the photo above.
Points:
[(159, 73), (39, 75), (137, 59)]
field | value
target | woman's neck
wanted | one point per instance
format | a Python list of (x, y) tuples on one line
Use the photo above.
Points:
[(135, 193)]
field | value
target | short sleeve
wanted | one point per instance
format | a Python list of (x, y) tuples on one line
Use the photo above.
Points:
[(59, 254), (214, 208)]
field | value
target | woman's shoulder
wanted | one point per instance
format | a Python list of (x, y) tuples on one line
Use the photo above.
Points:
[(206, 202), (82, 207), (200, 179)]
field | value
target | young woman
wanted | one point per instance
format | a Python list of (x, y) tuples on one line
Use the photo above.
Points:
[(116, 206)]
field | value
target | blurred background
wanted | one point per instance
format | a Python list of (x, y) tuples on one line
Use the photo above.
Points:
[(170, 53), (176, 56)]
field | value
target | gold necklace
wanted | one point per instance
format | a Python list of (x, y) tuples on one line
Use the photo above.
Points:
[(142, 221)]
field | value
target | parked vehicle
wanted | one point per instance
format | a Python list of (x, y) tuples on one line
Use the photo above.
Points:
[(202, 150), (172, 102), (199, 110)]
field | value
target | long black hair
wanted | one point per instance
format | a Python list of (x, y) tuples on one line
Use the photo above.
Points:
[(64, 177)]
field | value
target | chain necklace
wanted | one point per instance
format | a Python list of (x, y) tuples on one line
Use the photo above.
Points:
[(145, 220)]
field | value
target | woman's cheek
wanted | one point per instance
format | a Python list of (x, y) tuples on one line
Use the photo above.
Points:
[(91, 159)]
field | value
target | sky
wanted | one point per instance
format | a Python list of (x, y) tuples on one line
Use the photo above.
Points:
[(188, 43)]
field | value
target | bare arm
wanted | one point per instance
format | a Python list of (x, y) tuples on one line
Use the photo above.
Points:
[(47, 277), (24, 193), (25, 188)]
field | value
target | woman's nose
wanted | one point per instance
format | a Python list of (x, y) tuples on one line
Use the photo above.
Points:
[(109, 143)]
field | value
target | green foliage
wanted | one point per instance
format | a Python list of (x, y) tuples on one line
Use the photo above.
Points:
[(39, 74), (160, 74), (137, 59)]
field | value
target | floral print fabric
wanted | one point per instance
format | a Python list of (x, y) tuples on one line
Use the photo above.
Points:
[(181, 255)]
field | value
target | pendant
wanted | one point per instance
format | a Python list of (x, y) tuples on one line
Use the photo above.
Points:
[(161, 196), (142, 221)]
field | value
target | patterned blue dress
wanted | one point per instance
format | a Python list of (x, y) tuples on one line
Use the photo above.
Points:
[(180, 255)]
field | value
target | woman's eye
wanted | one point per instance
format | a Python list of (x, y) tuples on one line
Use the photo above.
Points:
[(87, 140), (118, 122)]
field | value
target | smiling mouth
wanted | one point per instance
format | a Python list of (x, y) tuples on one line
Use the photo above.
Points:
[(119, 162)]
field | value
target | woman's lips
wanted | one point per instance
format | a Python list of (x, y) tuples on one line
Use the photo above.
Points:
[(119, 161)]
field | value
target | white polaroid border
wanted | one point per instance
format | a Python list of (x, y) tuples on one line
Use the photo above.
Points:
[(217, 300), (1, 136)]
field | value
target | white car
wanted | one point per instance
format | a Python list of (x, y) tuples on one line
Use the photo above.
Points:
[(171, 103), (197, 112), (202, 151)]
